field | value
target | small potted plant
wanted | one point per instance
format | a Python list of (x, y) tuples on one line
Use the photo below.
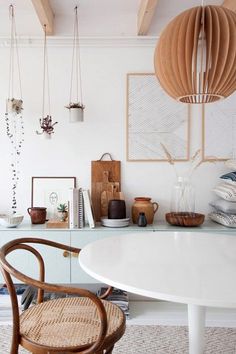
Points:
[(47, 127), (14, 105), (76, 111), (62, 211)]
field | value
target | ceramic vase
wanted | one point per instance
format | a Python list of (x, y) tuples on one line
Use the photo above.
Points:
[(142, 220), (144, 205)]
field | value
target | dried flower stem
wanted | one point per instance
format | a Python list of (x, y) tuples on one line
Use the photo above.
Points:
[(195, 162), (169, 158)]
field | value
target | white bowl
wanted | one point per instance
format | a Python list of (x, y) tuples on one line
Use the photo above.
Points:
[(11, 220)]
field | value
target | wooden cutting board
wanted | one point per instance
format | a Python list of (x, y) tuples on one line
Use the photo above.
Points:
[(106, 196), (105, 177)]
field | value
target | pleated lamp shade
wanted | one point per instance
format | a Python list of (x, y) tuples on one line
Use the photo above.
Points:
[(195, 58)]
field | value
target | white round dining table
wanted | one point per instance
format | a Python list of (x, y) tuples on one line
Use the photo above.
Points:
[(194, 268)]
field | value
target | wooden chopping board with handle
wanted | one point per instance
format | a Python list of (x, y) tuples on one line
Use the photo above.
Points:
[(106, 196), (105, 177)]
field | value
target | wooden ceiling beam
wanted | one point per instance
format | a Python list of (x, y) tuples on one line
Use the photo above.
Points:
[(230, 4), (146, 11), (45, 14)]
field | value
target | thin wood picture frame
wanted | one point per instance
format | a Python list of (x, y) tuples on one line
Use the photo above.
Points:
[(143, 142), (49, 192), (219, 130)]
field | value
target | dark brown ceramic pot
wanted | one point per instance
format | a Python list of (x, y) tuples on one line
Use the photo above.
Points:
[(37, 214), (116, 209)]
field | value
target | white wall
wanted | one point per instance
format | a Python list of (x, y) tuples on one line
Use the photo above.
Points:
[(73, 146)]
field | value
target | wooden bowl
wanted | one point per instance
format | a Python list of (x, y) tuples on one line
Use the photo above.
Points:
[(185, 219)]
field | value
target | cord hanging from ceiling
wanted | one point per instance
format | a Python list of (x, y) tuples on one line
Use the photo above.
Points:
[(75, 106)]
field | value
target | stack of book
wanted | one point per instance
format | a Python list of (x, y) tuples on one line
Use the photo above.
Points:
[(119, 298), (80, 208)]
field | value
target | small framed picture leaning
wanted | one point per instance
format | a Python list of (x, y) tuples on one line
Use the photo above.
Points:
[(50, 192)]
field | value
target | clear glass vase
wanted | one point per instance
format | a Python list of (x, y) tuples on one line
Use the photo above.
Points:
[(183, 196)]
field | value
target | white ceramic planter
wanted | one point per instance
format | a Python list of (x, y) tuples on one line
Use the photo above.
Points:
[(47, 136), (76, 115)]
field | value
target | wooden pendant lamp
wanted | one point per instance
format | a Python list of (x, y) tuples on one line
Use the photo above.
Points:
[(195, 58)]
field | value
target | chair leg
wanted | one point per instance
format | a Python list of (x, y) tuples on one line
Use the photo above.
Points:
[(14, 344), (14, 349), (109, 350)]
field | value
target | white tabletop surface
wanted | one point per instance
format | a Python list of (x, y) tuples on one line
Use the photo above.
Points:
[(193, 268)]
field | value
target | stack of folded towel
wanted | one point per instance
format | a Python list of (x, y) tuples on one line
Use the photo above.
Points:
[(225, 206)]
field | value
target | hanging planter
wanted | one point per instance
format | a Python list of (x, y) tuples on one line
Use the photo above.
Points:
[(47, 127), (13, 116), (46, 123), (76, 107), (14, 105), (76, 111)]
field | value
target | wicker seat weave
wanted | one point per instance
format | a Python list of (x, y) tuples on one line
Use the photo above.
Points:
[(47, 323)]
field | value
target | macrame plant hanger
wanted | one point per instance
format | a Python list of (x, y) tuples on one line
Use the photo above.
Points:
[(46, 124), (76, 107), (13, 116)]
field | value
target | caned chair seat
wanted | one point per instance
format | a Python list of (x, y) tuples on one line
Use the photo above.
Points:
[(81, 323), (69, 322)]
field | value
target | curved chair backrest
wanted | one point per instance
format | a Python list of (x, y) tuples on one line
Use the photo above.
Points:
[(8, 271)]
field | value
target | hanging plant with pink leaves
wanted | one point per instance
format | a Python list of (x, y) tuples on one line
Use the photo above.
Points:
[(45, 122), (47, 126)]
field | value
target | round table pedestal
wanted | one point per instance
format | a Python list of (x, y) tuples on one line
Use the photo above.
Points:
[(196, 327)]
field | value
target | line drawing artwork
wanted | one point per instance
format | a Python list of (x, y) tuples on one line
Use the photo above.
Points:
[(219, 129), (153, 118), (50, 192)]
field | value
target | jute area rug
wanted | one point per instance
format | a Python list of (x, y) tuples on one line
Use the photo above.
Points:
[(155, 340)]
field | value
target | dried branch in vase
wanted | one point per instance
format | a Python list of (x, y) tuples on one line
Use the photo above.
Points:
[(195, 161)]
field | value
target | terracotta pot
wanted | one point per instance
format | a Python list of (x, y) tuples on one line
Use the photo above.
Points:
[(38, 215), (144, 205)]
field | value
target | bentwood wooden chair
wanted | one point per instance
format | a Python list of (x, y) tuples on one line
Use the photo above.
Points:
[(80, 324)]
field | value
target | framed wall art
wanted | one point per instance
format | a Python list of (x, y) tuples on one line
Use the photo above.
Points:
[(219, 129), (49, 192), (154, 119)]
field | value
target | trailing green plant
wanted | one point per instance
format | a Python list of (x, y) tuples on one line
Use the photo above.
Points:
[(62, 207)]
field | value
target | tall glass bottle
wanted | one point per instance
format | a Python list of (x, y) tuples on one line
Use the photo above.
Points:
[(183, 196)]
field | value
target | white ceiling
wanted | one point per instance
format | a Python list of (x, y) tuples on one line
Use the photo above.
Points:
[(97, 17)]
